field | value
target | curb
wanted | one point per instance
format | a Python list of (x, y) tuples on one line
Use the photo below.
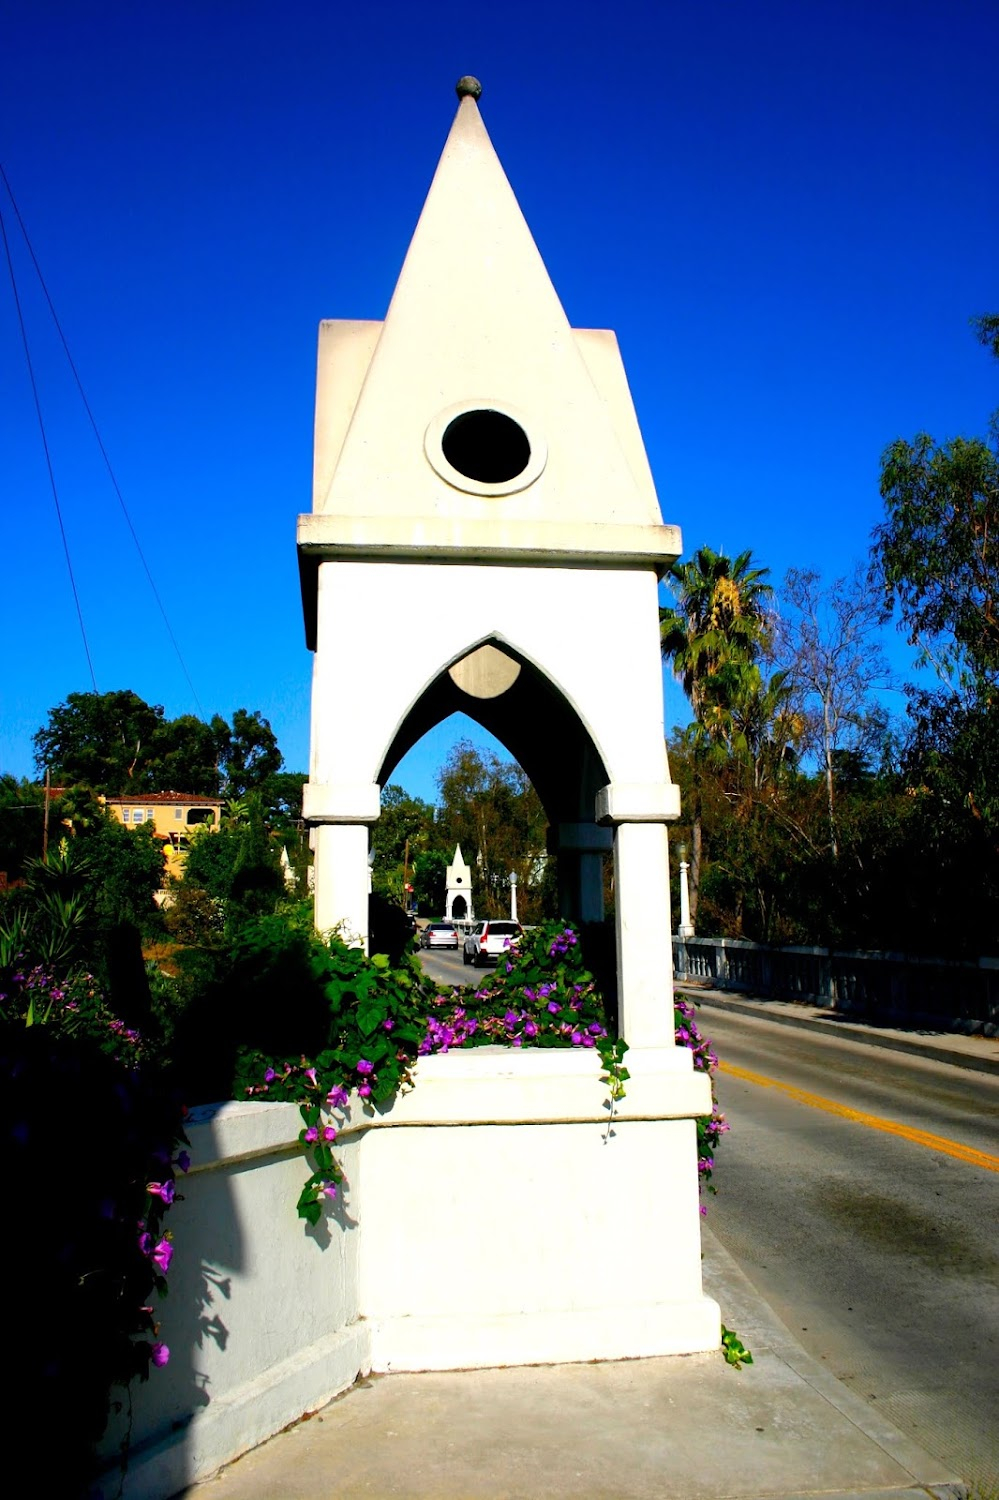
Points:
[(852, 1031), (757, 1322)]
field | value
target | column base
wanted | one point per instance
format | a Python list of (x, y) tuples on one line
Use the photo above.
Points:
[(480, 1340)]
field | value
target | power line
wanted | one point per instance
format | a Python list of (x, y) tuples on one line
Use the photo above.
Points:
[(100, 442), (45, 445)]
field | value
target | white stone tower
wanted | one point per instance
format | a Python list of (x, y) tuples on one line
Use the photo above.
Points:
[(458, 901), (474, 446)]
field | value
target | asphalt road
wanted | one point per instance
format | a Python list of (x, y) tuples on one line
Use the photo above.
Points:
[(445, 967), (858, 1191), (878, 1248)]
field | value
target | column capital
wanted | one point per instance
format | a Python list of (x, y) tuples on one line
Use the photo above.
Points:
[(638, 802), (339, 803)]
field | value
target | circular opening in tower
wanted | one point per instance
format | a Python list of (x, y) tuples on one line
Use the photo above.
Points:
[(486, 446)]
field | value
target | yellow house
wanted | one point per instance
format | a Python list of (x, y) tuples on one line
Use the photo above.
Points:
[(174, 816)]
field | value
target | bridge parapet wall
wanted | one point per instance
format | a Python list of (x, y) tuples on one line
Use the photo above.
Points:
[(958, 994)]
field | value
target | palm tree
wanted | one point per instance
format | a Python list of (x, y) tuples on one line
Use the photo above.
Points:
[(720, 625), (715, 636)]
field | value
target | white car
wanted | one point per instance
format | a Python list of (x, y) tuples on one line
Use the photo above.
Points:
[(488, 941), (439, 935)]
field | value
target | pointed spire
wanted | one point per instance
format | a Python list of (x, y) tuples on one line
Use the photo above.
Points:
[(475, 324)]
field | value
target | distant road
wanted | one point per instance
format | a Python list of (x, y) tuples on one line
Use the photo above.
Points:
[(445, 967), (859, 1190)]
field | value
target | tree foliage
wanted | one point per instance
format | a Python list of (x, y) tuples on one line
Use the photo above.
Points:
[(22, 817), (935, 553), (718, 635), (830, 647), (717, 631), (491, 809), (117, 743)]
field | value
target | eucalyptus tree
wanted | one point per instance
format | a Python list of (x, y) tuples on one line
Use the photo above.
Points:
[(935, 554), (831, 651)]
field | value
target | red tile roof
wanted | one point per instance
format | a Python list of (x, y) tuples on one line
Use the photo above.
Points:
[(146, 799)]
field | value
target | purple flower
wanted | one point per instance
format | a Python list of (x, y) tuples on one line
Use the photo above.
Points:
[(270, 1075), (329, 1133), (310, 1135), (184, 1161), (159, 1355), (511, 1018), (328, 1190), (388, 1024), (337, 1097), (310, 1074), (164, 1190), (363, 1066), (554, 1007), (365, 1090), (577, 1038), (530, 1028), (146, 1243), (162, 1256)]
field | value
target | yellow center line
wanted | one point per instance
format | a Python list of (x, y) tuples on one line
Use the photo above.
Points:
[(874, 1122)]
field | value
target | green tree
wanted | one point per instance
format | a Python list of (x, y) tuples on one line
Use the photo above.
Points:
[(404, 831), (248, 752), (103, 740), (935, 553), (116, 743), (719, 626), (715, 635), (22, 816), (238, 867), (935, 557), (185, 756), (430, 881), (491, 809), (830, 645), (281, 798)]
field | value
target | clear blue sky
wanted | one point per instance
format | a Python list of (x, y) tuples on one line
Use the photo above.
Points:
[(787, 211)]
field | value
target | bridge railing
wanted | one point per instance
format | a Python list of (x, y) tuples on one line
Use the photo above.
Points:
[(962, 993)]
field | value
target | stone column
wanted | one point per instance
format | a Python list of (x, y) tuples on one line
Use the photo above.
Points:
[(638, 814), (686, 927), (580, 851), (341, 817)]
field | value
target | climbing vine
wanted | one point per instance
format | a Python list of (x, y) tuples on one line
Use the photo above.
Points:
[(382, 1018)]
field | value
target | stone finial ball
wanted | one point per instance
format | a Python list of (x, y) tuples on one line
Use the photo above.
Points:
[(468, 87)]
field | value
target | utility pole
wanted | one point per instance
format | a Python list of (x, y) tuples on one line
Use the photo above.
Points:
[(45, 824)]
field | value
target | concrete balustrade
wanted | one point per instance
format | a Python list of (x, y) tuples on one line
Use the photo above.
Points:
[(959, 993)]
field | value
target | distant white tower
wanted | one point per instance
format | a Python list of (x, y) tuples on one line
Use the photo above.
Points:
[(458, 902)]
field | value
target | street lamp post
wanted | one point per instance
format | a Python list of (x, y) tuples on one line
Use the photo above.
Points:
[(513, 895), (686, 927)]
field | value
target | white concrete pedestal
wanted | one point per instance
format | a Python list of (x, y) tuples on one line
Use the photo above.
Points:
[(501, 1225)]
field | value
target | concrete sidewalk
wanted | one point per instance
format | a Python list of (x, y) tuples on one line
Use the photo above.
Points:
[(978, 1053), (681, 1429)]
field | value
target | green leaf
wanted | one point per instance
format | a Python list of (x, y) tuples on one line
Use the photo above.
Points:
[(370, 1016)]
